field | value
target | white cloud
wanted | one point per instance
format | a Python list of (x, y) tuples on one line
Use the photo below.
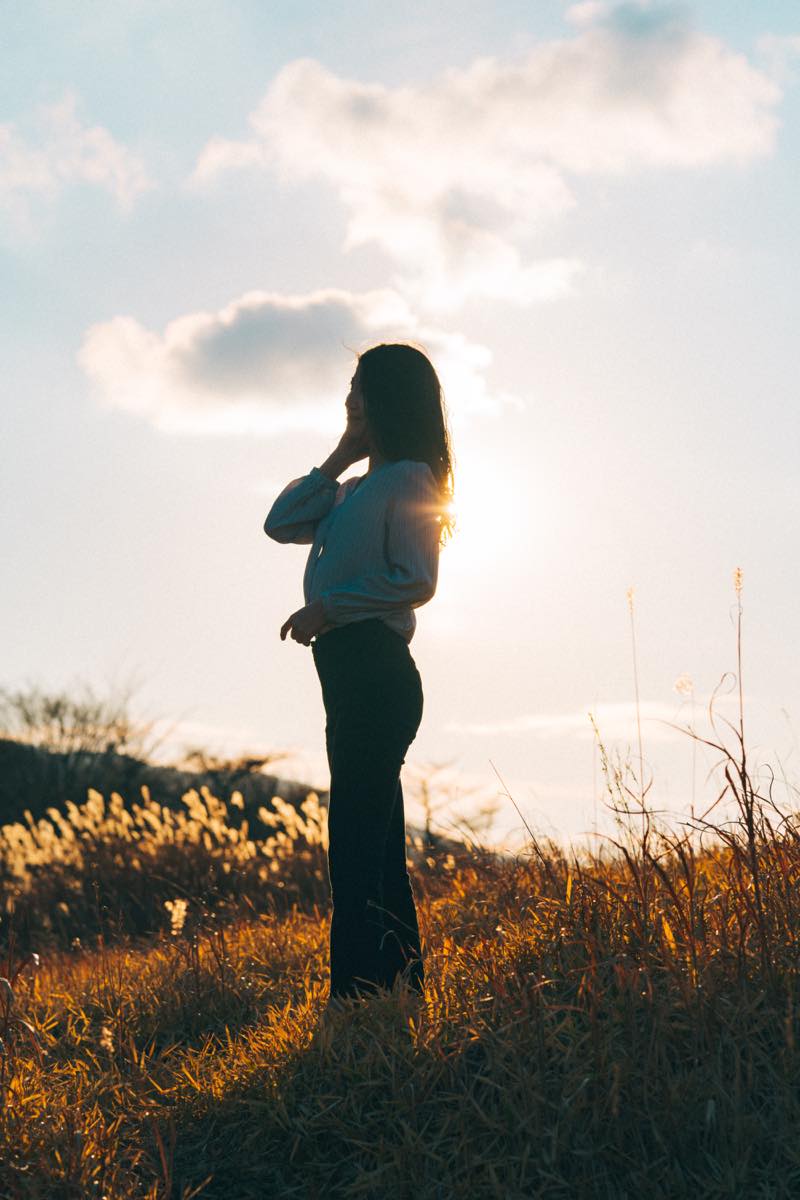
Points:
[(175, 737), (616, 721), (587, 12), (780, 52), (710, 253), (451, 178), (270, 363), (64, 151)]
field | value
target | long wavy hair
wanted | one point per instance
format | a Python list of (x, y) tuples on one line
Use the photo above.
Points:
[(405, 411)]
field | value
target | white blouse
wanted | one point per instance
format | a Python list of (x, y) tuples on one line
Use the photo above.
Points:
[(374, 541)]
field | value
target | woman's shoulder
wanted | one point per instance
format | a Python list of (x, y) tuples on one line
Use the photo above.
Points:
[(412, 468)]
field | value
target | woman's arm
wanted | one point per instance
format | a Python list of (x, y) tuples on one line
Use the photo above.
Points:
[(303, 503), (300, 507), (409, 577)]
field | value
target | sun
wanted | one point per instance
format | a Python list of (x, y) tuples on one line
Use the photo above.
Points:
[(493, 530), (492, 520)]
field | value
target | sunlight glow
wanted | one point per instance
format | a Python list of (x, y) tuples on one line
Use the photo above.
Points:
[(492, 530)]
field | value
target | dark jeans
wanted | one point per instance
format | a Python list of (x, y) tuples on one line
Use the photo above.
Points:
[(372, 693)]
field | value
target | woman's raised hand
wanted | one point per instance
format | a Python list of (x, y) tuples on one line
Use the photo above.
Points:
[(354, 443)]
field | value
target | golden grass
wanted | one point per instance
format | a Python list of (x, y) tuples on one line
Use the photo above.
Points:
[(592, 1027), (609, 1025), (101, 868)]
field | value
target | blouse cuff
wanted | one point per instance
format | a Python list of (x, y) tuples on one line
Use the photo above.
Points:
[(326, 608), (321, 477)]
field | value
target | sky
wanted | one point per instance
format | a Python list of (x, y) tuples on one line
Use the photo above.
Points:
[(585, 213)]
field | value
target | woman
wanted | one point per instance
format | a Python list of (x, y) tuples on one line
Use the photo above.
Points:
[(374, 558)]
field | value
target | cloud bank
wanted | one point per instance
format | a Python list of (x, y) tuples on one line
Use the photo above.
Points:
[(453, 177), (270, 363), (62, 151), (780, 53), (616, 721)]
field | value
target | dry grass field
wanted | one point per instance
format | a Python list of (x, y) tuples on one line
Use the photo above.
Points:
[(615, 1024), (611, 1026)]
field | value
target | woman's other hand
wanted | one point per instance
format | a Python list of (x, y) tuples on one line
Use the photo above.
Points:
[(305, 623)]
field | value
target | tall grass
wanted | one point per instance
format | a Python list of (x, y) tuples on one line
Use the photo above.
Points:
[(103, 869), (610, 1023)]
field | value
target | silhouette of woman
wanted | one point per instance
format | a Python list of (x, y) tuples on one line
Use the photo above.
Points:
[(374, 557)]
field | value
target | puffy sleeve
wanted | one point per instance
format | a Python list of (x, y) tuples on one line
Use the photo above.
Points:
[(297, 510), (409, 574)]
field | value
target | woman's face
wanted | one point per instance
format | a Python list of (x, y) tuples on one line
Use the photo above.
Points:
[(354, 404)]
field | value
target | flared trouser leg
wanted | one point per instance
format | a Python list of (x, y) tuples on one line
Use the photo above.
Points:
[(373, 699), (400, 945)]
